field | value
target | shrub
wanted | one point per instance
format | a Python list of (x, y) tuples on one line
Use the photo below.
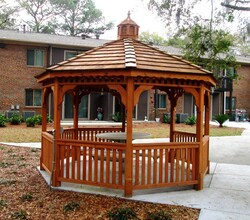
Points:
[(3, 203), (158, 215), (166, 118), (2, 121), (27, 197), (221, 119), (49, 119), (117, 117), (190, 120), (16, 119), (30, 122), (122, 213), (21, 214), (71, 206), (37, 119)]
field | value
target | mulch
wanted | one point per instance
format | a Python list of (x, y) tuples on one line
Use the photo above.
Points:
[(25, 195)]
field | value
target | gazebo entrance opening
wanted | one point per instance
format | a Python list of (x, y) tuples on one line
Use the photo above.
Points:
[(125, 68)]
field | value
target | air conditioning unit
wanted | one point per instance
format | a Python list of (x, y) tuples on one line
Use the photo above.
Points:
[(8, 114), (181, 118), (28, 114)]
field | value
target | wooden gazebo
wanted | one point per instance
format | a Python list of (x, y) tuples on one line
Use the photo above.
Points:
[(125, 68)]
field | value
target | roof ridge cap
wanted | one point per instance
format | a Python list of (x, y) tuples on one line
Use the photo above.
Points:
[(129, 52)]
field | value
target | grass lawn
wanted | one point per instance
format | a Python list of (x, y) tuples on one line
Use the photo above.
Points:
[(22, 133)]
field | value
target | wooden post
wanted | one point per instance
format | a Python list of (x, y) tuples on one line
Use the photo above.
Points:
[(173, 101), (199, 136), (172, 122), (123, 113), (44, 123), (207, 112), (207, 127), (76, 112), (129, 154), (57, 125)]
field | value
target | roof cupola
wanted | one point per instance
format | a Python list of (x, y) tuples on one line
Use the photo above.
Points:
[(128, 29)]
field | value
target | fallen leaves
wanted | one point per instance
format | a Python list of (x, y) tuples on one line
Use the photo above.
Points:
[(25, 195)]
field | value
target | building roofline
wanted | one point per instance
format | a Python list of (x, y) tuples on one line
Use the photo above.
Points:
[(43, 39)]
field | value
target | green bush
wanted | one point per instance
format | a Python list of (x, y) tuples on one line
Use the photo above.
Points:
[(30, 122), (49, 119), (190, 120), (221, 119), (2, 121), (37, 119), (122, 214), (166, 118), (117, 117), (16, 119)]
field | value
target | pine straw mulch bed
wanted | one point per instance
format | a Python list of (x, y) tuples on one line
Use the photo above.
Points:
[(25, 195)]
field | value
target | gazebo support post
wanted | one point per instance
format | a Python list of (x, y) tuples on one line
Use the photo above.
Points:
[(172, 120), (76, 112), (44, 121), (57, 119), (207, 112), (173, 97), (199, 136), (123, 113), (207, 120), (129, 154)]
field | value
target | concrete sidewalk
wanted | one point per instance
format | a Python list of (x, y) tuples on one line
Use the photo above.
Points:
[(226, 193)]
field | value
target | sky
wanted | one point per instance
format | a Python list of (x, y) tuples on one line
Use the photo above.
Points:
[(117, 11)]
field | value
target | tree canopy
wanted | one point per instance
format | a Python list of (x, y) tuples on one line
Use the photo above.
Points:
[(81, 17), (181, 13), (6, 15), (243, 5), (71, 17), (213, 50), (153, 38)]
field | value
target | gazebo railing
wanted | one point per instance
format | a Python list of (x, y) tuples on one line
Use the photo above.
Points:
[(205, 155), (87, 134), (103, 164), (164, 164), (100, 163), (46, 151), (92, 163), (180, 136)]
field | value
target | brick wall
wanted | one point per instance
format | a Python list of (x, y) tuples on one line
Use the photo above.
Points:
[(16, 76), (241, 88), (161, 112)]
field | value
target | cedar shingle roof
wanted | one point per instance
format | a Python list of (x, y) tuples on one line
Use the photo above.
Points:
[(127, 53)]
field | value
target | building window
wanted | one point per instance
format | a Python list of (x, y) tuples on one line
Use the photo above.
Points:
[(69, 54), (231, 72), (35, 57), (33, 97), (161, 102), (233, 103)]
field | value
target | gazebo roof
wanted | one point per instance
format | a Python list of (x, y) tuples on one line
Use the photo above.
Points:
[(128, 56), (131, 54)]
